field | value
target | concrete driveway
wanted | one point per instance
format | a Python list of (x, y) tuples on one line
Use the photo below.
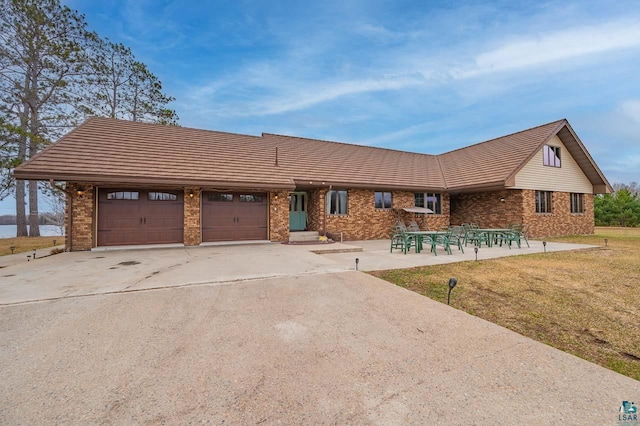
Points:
[(305, 346), (103, 272)]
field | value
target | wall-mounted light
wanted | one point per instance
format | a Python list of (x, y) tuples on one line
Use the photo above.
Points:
[(502, 200), (276, 197), (80, 191), (191, 194)]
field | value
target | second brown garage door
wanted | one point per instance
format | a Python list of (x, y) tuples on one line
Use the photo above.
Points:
[(231, 216)]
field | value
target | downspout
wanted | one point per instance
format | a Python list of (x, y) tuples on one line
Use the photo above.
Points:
[(70, 210)]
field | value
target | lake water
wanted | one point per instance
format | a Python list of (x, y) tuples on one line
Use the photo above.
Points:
[(9, 231)]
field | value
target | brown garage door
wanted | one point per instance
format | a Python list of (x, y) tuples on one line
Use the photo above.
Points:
[(234, 216), (139, 217)]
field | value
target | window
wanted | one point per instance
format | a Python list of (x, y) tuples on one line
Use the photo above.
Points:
[(162, 196), (123, 195), (337, 202), (251, 198), (543, 202), (551, 156), (383, 200), (577, 203), (216, 196), (429, 200)]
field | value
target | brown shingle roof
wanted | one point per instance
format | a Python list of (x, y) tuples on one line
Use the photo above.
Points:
[(493, 161), (104, 150)]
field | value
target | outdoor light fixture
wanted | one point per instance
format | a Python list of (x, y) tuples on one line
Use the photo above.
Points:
[(12, 248), (191, 193), (54, 242), (606, 240), (34, 254), (80, 191), (502, 200), (357, 261), (544, 246), (28, 257), (452, 284), (276, 197), (476, 250)]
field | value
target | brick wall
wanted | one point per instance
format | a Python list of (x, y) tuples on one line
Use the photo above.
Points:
[(279, 216), (192, 208), (487, 210), (560, 221), (364, 221), (80, 229)]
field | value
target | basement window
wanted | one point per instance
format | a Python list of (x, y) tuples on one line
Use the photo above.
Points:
[(577, 203), (544, 201), (383, 200), (551, 156)]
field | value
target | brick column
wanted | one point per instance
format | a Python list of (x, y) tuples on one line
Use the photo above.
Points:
[(192, 228), (80, 226), (279, 216)]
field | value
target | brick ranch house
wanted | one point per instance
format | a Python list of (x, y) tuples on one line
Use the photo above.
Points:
[(139, 183)]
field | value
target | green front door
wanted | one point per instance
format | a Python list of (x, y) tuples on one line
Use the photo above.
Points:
[(297, 211)]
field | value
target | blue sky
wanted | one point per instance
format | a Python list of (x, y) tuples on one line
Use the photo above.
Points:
[(423, 76)]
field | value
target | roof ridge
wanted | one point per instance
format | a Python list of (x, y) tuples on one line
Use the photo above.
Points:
[(504, 136), (348, 144), (135, 123)]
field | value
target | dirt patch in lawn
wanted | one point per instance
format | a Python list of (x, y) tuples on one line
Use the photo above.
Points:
[(585, 302)]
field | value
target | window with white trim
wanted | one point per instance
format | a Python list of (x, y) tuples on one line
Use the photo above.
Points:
[(551, 156)]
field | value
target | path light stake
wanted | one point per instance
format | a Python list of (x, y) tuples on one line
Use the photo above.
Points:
[(452, 284), (357, 261), (12, 248), (54, 242), (606, 240), (476, 250), (28, 257), (34, 254), (544, 246)]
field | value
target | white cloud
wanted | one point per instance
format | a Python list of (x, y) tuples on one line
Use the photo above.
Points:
[(554, 47), (631, 110)]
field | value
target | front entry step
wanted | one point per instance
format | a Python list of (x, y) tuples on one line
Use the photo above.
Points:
[(303, 236)]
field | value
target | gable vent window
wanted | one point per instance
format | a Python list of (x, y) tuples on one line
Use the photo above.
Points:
[(577, 203), (551, 156)]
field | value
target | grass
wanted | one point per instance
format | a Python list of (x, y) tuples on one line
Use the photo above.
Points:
[(27, 244), (583, 302)]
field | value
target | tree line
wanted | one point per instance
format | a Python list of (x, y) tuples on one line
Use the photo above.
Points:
[(55, 73), (622, 208)]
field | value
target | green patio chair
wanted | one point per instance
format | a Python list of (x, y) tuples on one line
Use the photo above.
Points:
[(400, 240), (457, 236)]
